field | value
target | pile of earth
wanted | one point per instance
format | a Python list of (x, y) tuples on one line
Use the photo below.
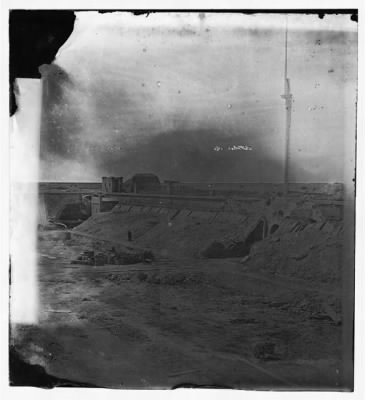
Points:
[(178, 233), (171, 279), (301, 248), (314, 252)]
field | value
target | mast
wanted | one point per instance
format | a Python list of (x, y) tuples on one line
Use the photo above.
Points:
[(288, 97)]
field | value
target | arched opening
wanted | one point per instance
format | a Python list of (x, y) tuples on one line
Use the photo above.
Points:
[(239, 248), (274, 228), (257, 234), (71, 214)]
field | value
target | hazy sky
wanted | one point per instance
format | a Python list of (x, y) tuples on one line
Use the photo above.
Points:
[(131, 94)]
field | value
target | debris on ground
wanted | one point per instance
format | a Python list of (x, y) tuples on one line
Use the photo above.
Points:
[(112, 257)]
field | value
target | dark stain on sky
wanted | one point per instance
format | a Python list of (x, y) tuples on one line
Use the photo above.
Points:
[(189, 155), (186, 154), (183, 153), (60, 125)]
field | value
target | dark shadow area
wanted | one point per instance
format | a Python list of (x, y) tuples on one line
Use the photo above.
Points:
[(274, 228), (22, 373), (34, 39), (258, 233), (196, 386), (240, 248)]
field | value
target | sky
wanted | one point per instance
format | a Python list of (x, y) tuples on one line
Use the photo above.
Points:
[(197, 97)]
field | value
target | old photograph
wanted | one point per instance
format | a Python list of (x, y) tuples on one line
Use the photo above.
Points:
[(182, 199)]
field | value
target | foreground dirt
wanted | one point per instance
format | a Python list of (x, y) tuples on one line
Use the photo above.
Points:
[(170, 323)]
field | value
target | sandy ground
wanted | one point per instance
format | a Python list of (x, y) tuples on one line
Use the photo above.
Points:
[(171, 323)]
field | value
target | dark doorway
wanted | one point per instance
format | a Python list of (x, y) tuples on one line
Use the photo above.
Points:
[(259, 233), (274, 228)]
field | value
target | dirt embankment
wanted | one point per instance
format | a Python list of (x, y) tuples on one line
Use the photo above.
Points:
[(169, 232), (295, 245), (311, 251)]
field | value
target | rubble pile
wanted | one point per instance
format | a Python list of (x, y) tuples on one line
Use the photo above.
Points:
[(112, 257), (171, 279)]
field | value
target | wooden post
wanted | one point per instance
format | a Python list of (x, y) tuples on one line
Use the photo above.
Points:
[(288, 97)]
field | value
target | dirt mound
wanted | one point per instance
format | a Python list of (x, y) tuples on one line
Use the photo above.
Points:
[(296, 247), (312, 253), (172, 233)]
